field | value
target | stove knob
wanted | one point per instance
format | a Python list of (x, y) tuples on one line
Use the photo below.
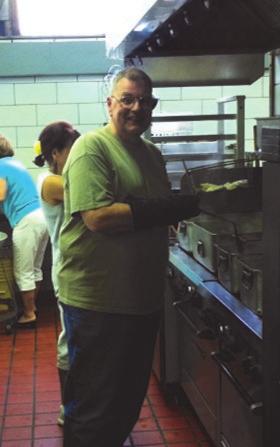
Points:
[(221, 329), (256, 373), (191, 290), (183, 228), (170, 273), (248, 363)]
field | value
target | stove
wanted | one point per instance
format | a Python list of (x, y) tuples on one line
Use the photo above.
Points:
[(216, 353)]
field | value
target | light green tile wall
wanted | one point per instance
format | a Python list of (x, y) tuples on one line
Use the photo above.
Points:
[(35, 93), (277, 84), (84, 92), (28, 103), (93, 113), (17, 116), (6, 94), (47, 113)]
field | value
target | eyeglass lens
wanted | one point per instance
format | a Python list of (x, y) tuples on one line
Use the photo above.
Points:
[(147, 102)]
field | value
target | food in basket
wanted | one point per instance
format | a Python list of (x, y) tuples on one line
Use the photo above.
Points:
[(229, 186)]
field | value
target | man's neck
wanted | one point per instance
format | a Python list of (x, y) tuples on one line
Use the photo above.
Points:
[(129, 141)]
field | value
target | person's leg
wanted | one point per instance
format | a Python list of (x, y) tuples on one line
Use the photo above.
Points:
[(62, 363), (41, 240), (29, 238), (100, 347), (134, 383), (28, 301), (23, 255), (62, 374), (28, 298)]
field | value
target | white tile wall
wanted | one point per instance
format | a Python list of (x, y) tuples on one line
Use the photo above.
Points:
[(277, 69), (54, 112), (27, 104), (84, 92), (35, 93), (277, 85), (17, 116), (277, 99), (7, 94)]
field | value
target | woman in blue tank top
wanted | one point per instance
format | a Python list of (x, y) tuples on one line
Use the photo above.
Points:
[(20, 204)]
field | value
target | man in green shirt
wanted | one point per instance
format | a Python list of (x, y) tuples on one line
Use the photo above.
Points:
[(114, 253)]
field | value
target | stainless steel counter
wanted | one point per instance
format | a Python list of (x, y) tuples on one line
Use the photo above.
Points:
[(207, 285)]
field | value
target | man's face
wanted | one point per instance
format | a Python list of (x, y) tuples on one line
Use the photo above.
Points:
[(129, 121)]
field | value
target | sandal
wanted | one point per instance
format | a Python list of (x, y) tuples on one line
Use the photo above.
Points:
[(26, 325)]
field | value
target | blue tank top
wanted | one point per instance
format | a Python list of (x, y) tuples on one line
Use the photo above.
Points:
[(22, 197)]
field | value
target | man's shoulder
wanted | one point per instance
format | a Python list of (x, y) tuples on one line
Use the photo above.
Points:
[(153, 150), (151, 146), (89, 142), (93, 145)]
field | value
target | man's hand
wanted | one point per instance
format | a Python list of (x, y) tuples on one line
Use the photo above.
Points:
[(149, 213)]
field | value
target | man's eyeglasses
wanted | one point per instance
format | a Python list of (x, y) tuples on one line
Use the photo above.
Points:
[(128, 101)]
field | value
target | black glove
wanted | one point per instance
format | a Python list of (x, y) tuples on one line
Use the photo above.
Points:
[(148, 213)]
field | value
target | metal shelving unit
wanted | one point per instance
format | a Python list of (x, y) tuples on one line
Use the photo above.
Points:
[(190, 150)]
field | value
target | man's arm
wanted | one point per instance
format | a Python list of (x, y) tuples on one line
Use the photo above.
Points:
[(3, 189), (109, 219), (140, 214)]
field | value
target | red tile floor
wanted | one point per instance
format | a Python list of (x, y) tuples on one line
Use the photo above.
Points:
[(30, 398)]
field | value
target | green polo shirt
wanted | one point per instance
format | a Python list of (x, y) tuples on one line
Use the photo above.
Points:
[(121, 272)]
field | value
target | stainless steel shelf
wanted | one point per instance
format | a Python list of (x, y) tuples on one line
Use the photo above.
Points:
[(197, 156), (176, 118), (189, 138)]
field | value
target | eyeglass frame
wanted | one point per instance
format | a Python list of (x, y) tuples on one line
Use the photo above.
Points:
[(139, 99)]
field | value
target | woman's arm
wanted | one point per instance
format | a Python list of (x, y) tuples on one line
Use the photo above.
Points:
[(3, 189), (52, 189)]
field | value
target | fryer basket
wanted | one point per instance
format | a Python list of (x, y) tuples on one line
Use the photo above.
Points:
[(245, 198)]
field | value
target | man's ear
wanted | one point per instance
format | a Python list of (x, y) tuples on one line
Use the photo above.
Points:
[(109, 105)]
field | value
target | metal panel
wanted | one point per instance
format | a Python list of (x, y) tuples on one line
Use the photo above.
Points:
[(221, 69), (271, 302), (202, 27)]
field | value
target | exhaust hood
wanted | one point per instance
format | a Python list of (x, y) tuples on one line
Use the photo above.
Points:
[(181, 28)]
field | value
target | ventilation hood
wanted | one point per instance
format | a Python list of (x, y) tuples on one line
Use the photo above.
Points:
[(241, 31)]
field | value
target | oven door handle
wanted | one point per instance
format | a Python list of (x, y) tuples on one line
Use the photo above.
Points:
[(205, 333), (255, 407), (176, 304), (223, 263)]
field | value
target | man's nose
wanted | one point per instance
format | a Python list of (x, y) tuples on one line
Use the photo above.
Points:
[(136, 104)]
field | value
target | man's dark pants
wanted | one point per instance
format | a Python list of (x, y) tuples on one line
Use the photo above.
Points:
[(111, 358)]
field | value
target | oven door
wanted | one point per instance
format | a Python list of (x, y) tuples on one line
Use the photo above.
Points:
[(240, 411), (199, 375)]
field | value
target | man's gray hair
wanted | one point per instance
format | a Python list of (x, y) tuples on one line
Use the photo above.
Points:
[(132, 74), (6, 149)]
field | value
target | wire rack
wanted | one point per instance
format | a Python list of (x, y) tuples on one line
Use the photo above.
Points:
[(234, 186), (8, 304)]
